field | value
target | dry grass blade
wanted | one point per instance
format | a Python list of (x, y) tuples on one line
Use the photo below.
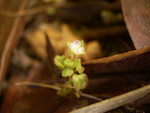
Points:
[(115, 102)]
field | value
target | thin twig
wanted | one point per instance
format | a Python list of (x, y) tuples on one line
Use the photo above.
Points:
[(55, 88), (12, 40)]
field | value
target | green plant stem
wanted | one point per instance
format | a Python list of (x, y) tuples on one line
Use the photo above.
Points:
[(74, 56), (90, 96), (38, 84), (55, 88)]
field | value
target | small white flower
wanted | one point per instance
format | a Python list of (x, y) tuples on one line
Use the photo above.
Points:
[(76, 47)]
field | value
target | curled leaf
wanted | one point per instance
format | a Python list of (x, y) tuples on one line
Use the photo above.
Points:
[(67, 72), (68, 63), (59, 61), (79, 81), (80, 69)]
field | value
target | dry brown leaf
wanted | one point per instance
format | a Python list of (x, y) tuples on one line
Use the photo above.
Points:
[(58, 36), (132, 61), (137, 16), (93, 50)]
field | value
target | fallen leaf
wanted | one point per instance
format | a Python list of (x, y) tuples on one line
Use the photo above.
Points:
[(137, 16), (132, 61)]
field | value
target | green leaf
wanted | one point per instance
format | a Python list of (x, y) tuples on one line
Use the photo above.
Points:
[(82, 43), (79, 81), (77, 63), (80, 69), (68, 83), (58, 60), (77, 94), (67, 72), (68, 63), (68, 44), (64, 91)]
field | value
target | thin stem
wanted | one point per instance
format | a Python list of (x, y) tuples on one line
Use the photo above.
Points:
[(38, 84), (55, 88), (90, 96), (74, 57)]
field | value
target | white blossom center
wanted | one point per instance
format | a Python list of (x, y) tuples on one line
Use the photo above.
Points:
[(76, 47)]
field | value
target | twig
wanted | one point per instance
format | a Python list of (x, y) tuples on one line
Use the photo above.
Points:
[(112, 103), (12, 40), (55, 88)]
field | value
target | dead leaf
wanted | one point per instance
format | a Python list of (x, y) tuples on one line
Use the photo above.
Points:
[(132, 61), (137, 16), (93, 50), (13, 93), (59, 37)]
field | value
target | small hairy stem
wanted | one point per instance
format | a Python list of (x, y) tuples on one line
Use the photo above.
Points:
[(55, 88), (74, 57), (38, 84), (90, 96)]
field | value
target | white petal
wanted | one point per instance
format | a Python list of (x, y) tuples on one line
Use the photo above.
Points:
[(80, 50), (72, 46), (77, 43)]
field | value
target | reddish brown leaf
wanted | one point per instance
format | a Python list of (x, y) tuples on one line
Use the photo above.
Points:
[(132, 61), (137, 16), (110, 85), (14, 93), (105, 33), (51, 54)]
